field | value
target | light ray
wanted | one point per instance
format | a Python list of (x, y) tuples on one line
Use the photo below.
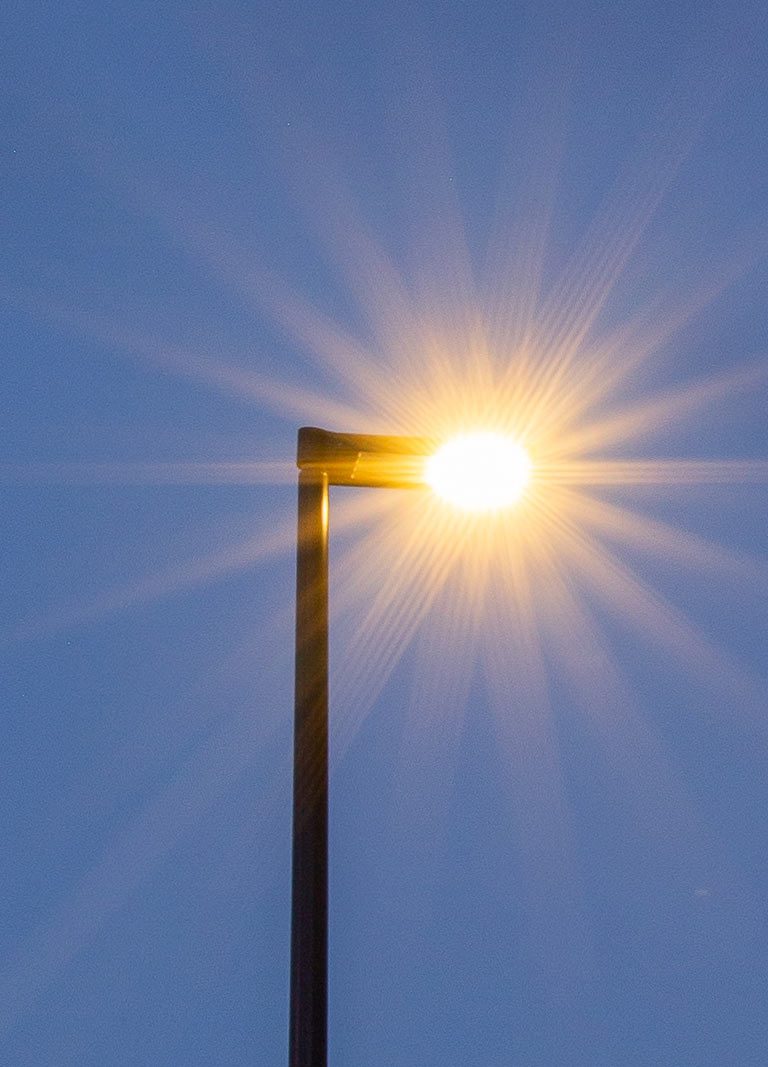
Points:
[(655, 472), (392, 617), (242, 383), (131, 856), (572, 308), (231, 472), (633, 753), (368, 271), (669, 543), (389, 623), (155, 587), (329, 345), (650, 416), (278, 540), (655, 619), (514, 273), (550, 889), (278, 396)]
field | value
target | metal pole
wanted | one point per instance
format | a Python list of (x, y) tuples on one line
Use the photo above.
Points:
[(309, 905)]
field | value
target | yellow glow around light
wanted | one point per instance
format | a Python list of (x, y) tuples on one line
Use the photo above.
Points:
[(479, 471)]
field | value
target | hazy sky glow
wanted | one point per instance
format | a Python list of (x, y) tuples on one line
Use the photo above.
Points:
[(549, 758)]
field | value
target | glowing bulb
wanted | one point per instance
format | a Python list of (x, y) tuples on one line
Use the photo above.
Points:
[(479, 471)]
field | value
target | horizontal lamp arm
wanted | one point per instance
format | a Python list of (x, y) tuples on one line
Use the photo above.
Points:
[(370, 460)]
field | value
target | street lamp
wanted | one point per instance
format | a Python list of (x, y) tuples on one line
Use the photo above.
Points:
[(477, 471)]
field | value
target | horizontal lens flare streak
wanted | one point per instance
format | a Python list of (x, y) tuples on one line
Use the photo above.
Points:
[(654, 472), (234, 472)]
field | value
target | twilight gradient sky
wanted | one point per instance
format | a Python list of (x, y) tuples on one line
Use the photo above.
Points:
[(200, 202)]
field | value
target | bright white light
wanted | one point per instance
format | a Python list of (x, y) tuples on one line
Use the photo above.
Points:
[(479, 471)]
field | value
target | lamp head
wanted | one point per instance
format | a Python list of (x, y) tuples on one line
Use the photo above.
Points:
[(479, 471)]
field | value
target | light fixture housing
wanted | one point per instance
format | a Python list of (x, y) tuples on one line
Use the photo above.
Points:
[(378, 461)]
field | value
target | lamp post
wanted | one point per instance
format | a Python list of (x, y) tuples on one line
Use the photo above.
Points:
[(478, 471), (324, 459)]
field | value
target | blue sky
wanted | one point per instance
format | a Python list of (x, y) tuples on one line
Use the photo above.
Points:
[(543, 852)]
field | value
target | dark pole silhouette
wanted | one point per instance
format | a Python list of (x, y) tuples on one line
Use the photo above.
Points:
[(309, 930)]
